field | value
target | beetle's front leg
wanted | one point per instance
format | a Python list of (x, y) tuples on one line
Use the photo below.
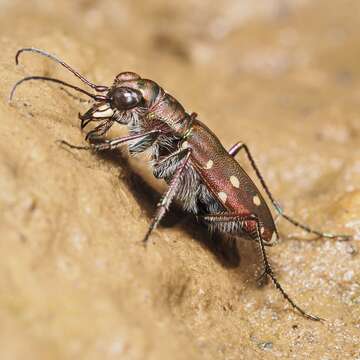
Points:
[(234, 150), (110, 144), (99, 130)]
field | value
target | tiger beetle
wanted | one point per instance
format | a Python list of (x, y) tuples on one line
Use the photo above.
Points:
[(201, 174)]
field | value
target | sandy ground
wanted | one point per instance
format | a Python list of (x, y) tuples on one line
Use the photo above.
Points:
[(282, 76)]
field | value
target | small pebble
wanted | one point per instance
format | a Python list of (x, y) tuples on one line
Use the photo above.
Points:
[(265, 345)]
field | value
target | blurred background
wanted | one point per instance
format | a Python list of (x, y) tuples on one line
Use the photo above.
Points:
[(282, 76)]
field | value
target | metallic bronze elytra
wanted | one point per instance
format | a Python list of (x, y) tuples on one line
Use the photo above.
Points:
[(201, 174)]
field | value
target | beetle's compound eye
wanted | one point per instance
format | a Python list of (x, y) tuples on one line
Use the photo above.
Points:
[(125, 98)]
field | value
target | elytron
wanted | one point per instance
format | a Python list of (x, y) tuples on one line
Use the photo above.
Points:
[(201, 174)]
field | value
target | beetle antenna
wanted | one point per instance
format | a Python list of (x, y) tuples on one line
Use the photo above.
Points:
[(99, 88), (45, 78)]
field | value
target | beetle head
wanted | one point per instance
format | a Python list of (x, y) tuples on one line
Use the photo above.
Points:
[(131, 96), (125, 102)]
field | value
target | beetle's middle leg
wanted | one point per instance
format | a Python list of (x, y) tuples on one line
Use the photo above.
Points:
[(167, 198), (234, 150), (267, 270)]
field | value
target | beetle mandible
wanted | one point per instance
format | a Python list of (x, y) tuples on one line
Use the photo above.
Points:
[(200, 173)]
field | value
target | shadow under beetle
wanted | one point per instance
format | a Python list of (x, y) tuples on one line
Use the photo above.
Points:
[(201, 174)]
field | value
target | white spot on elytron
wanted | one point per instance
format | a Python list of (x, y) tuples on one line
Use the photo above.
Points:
[(209, 165), (185, 145), (262, 230), (223, 196), (256, 200), (234, 181)]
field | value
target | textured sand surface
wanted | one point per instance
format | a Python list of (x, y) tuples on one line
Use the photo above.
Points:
[(282, 76)]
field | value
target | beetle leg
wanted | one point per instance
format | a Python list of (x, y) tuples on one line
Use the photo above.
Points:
[(99, 130), (167, 158), (224, 217), (234, 151), (235, 218), (267, 270), (111, 143), (167, 198), (163, 167)]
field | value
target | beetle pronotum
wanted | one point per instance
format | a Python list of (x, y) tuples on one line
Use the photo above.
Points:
[(201, 174)]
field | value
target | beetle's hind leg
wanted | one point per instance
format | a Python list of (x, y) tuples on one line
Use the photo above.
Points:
[(234, 150), (256, 234)]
